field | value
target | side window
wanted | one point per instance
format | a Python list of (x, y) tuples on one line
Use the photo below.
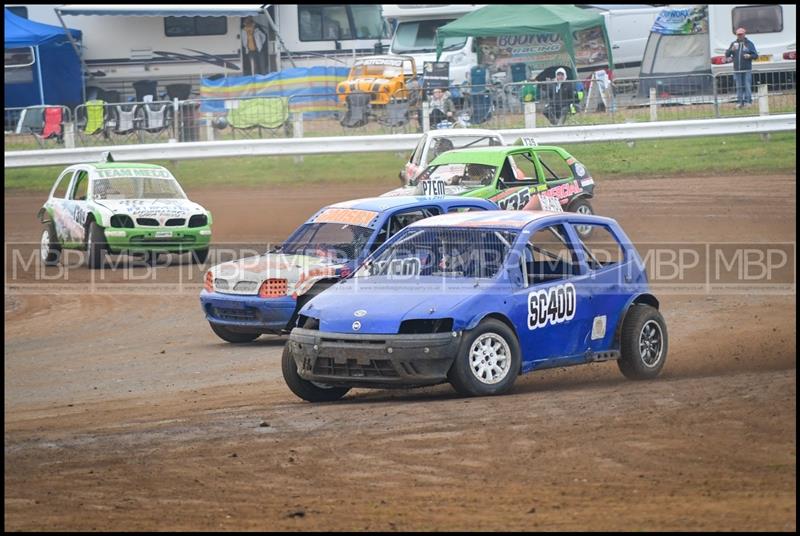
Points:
[(524, 168), (465, 209), (81, 186), (549, 257), (399, 221), (602, 248), (554, 167), (416, 156), (62, 185)]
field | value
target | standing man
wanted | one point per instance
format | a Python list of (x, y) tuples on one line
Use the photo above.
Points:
[(253, 39), (742, 52)]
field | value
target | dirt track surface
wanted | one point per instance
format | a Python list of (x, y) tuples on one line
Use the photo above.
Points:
[(123, 411)]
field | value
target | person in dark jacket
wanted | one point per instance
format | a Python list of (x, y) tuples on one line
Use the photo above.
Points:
[(559, 96), (742, 52)]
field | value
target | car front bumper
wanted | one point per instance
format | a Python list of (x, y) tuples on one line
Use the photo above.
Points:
[(142, 239), (373, 360), (267, 315)]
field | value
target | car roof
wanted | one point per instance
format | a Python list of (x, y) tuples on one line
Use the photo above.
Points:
[(459, 132), (379, 205), (506, 219), (123, 165), (487, 155)]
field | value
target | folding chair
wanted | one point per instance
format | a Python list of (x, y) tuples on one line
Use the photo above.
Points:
[(53, 118), (357, 113), (153, 118), (124, 115), (396, 114), (269, 113)]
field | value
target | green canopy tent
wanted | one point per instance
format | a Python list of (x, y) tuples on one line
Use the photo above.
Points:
[(537, 35)]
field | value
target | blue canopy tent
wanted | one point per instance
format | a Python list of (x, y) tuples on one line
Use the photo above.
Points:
[(44, 67)]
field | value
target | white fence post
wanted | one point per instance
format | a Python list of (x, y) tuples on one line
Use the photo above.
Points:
[(209, 127), (69, 135), (763, 99), (653, 109), (297, 131), (426, 120), (530, 114)]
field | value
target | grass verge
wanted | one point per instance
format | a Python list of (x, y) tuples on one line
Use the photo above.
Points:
[(738, 154)]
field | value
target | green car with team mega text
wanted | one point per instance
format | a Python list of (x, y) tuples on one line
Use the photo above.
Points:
[(515, 177), (114, 207)]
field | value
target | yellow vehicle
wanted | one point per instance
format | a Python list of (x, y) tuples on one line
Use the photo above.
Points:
[(382, 77)]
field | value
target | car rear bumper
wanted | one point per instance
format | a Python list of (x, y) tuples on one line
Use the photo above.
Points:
[(246, 311), (373, 360)]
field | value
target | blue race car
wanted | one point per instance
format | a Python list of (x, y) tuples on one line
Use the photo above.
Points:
[(243, 299), (476, 299)]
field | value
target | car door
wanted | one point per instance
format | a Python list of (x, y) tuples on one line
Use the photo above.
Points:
[(519, 178), (77, 207), (553, 312), (608, 288), (56, 203)]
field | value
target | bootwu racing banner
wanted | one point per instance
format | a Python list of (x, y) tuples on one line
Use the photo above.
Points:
[(312, 90), (682, 21), (544, 49)]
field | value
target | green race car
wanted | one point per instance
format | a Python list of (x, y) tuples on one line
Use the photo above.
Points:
[(114, 207), (514, 177)]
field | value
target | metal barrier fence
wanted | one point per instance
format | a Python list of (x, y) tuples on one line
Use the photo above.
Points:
[(527, 104)]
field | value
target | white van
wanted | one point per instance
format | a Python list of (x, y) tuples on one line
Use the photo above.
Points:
[(415, 36)]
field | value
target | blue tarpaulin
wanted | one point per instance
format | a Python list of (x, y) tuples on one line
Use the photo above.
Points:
[(55, 77), (310, 90)]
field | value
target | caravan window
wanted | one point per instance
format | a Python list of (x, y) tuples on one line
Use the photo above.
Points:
[(19, 11), (419, 36), (183, 26), (18, 65), (758, 19), (368, 22), (323, 22)]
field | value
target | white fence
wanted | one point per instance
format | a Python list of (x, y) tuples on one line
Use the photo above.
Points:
[(397, 142)]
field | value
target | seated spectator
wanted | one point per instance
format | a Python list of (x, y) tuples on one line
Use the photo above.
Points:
[(558, 98)]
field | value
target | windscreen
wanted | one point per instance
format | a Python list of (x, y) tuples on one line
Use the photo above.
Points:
[(335, 241), (443, 252), (137, 188)]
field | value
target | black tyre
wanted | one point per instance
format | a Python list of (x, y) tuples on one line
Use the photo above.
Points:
[(582, 206), (95, 246), (488, 360), (229, 335), (643, 343), (199, 256), (50, 248), (309, 391), (151, 258)]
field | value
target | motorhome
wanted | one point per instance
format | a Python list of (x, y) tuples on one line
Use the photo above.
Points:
[(687, 44), (181, 43), (415, 30)]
